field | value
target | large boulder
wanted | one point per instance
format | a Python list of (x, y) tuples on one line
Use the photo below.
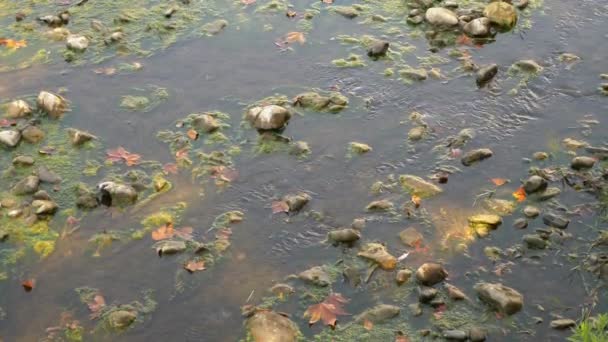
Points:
[(439, 16), (501, 14), (269, 326), (269, 117), (500, 297)]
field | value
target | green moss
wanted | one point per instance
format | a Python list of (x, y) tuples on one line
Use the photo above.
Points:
[(353, 61), (158, 219), (44, 248)]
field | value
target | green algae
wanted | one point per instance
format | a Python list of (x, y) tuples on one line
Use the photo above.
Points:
[(352, 61), (146, 100)]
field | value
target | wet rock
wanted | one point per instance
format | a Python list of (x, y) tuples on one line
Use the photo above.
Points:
[(403, 276), (77, 43), (346, 235), (411, 237), (415, 309), (534, 241), (534, 184), (23, 161), (377, 253), (561, 324), (120, 319), (215, 27), (18, 109), (45, 207), (358, 224), (299, 148), (360, 148), (520, 223), (347, 11), (271, 117), (42, 195), (51, 104), (549, 193), (455, 335), (528, 65), (282, 289), (378, 49), (51, 20), (381, 205), (32, 134), (485, 74), (557, 221), (477, 334), (501, 14), (415, 20), (116, 194), (87, 201), (582, 163), (540, 155), (414, 74), (521, 4), (479, 27), (333, 103), (168, 247), (475, 156), (47, 176), (455, 293), (500, 297), (416, 133), (430, 274), (26, 186), (426, 294), (499, 206), (599, 152), (297, 201), (205, 123), (439, 16), (10, 138), (573, 144), (531, 211), (78, 137), (378, 314), (316, 276), (482, 224), (117, 36), (269, 326), (57, 34), (417, 186)]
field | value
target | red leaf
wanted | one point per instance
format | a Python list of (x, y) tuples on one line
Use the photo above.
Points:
[(439, 311), (181, 154), (170, 168), (96, 304), (163, 232), (120, 154), (192, 134), (499, 181), (280, 207)]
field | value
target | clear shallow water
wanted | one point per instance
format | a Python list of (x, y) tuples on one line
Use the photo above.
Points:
[(239, 67)]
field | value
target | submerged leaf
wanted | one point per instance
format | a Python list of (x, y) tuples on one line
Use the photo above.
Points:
[(170, 168), (520, 194), (499, 181), (280, 207), (327, 311), (120, 154), (13, 44), (295, 36), (193, 266)]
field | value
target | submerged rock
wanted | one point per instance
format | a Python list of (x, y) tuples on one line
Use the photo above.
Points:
[(116, 194), (426, 294), (439, 16), (77, 43), (534, 241), (482, 224), (120, 319), (410, 237), (582, 163), (500, 297), (485, 74), (271, 117), (416, 133), (534, 184), (45, 207), (417, 186), (78, 137), (23, 161), (269, 326), (346, 235), (10, 138), (549, 193), (502, 14), (479, 27), (360, 148), (520, 223), (47, 176), (51, 104), (430, 274), (215, 27), (299, 148), (561, 324), (455, 335), (377, 253), (26, 186), (316, 276), (297, 201), (378, 49), (557, 221), (455, 293), (378, 314), (381, 205), (18, 109), (475, 156), (528, 65), (477, 334), (531, 211), (347, 11), (32, 134), (333, 103), (169, 247), (414, 74), (205, 123), (403, 276)]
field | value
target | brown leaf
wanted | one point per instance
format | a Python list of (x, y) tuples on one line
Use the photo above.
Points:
[(164, 232), (499, 181), (193, 266), (367, 324), (120, 154), (13, 44), (416, 200), (291, 14), (280, 207), (192, 134), (96, 304), (293, 37), (327, 311), (28, 285), (170, 168)]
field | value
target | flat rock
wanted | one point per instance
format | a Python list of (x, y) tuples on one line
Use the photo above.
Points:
[(500, 297), (26, 186), (531, 211), (475, 156), (534, 241), (23, 161), (32, 134), (534, 184), (316, 276), (549, 193), (378, 49), (417, 186), (205, 123), (479, 27), (378, 314), (485, 74), (411, 237), (563, 323), (426, 294), (47, 176), (10, 138), (582, 163), (557, 221), (116, 194), (78, 137), (346, 235), (271, 117), (455, 335), (377, 253)]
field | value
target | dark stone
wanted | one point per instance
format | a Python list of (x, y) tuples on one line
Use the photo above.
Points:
[(554, 220)]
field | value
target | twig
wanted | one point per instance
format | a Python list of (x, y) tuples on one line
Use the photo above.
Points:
[(250, 295)]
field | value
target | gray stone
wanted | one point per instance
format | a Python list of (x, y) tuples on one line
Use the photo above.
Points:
[(378, 49), (528, 65), (78, 137), (269, 117), (534, 241), (562, 324), (415, 20), (403, 276), (32, 134), (26, 186), (346, 235), (582, 163), (415, 309), (45, 207), (531, 211), (475, 156), (10, 138), (414, 74), (554, 220), (266, 325), (439, 16), (116, 194), (417, 186), (477, 334), (205, 123), (47, 176), (347, 12), (549, 193), (520, 223), (77, 43), (23, 161), (500, 297), (120, 319), (378, 314), (315, 276), (42, 195), (485, 74), (430, 274), (534, 184), (297, 201), (410, 237), (479, 27), (455, 335), (170, 247), (426, 294)]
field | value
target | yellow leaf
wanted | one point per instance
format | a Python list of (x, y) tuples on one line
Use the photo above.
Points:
[(292, 37), (13, 44)]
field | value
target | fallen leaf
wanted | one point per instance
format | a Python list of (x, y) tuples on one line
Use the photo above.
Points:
[(184, 233), (367, 324), (163, 232), (520, 194), (28, 285), (7, 123), (170, 168), (400, 337), (293, 37), (223, 173), (499, 181), (291, 14), (192, 134), (193, 266), (416, 200), (439, 311), (96, 305), (13, 44), (181, 154), (248, 2), (280, 207), (327, 310), (120, 154), (463, 39), (455, 152)]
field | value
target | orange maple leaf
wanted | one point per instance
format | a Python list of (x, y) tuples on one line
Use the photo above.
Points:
[(499, 181), (120, 154), (192, 134), (193, 266), (293, 37), (170, 168), (163, 232), (367, 324), (13, 44), (520, 194), (279, 207), (327, 310), (416, 200)]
